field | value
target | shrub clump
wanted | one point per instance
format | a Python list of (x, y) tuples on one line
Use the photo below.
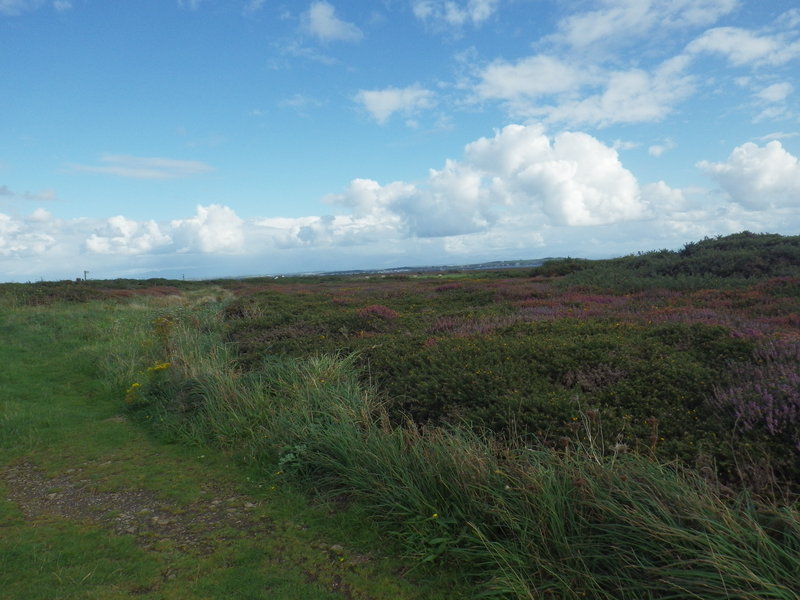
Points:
[(525, 522)]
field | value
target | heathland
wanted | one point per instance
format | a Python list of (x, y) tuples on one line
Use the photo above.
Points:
[(625, 428)]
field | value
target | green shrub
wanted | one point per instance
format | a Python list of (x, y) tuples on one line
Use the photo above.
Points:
[(589, 520)]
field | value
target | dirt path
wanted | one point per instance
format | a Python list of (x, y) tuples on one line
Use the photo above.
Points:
[(198, 526)]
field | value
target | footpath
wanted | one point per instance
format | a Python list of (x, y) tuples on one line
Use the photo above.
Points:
[(95, 506)]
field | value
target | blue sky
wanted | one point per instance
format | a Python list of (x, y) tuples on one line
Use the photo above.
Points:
[(205, 138)]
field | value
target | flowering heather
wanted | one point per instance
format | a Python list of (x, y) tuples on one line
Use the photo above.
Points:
[(448, 286), (460, 326), (378, 310), (765, 393)]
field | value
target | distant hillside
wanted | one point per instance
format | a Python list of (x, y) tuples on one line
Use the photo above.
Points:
[(724, 261)]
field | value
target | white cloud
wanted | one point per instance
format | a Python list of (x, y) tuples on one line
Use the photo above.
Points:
[(546, 87), (662, 199), (382, 104), (125, 236), (571, 179), (62, 5), (631, 96), (621, 21), (624, 145), (758, 177), (321, 21), (144, 168), (790, 19), (26, 236), (213, 229), (659, 149), (454, 13), (517, 193), (779, 135), (742, 47), (530, 78), (777, 92)]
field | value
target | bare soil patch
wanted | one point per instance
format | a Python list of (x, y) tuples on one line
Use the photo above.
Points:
[(197, 526)]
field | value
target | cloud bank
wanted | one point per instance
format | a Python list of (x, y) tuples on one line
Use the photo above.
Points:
[(518, 190)]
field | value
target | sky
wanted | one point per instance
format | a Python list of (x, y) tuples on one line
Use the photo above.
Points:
[(226, 138)]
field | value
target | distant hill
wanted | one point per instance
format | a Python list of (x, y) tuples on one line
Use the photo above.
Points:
[(723, 261)]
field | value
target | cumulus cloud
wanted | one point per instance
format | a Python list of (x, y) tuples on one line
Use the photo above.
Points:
[(119, 235), (213, 229), (510, 193), (137, 167), (321, 21), (758, 177), (453, 13), (571, 179), (26, 236), (382, 104)]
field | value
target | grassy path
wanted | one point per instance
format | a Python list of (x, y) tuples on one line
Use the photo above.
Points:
[(92, 506)]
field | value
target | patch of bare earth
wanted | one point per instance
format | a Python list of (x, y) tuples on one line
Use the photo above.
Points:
[(152, 520), (196, 527)]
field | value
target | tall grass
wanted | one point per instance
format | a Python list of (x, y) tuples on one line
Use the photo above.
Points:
[(524, 522)]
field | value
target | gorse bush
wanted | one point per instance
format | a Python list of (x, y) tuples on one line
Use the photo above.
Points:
[(524, 521)]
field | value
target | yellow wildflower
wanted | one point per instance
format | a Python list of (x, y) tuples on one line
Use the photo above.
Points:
[(130, 394)]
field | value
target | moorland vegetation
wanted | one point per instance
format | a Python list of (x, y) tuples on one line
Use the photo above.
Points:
[(624, 428)]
